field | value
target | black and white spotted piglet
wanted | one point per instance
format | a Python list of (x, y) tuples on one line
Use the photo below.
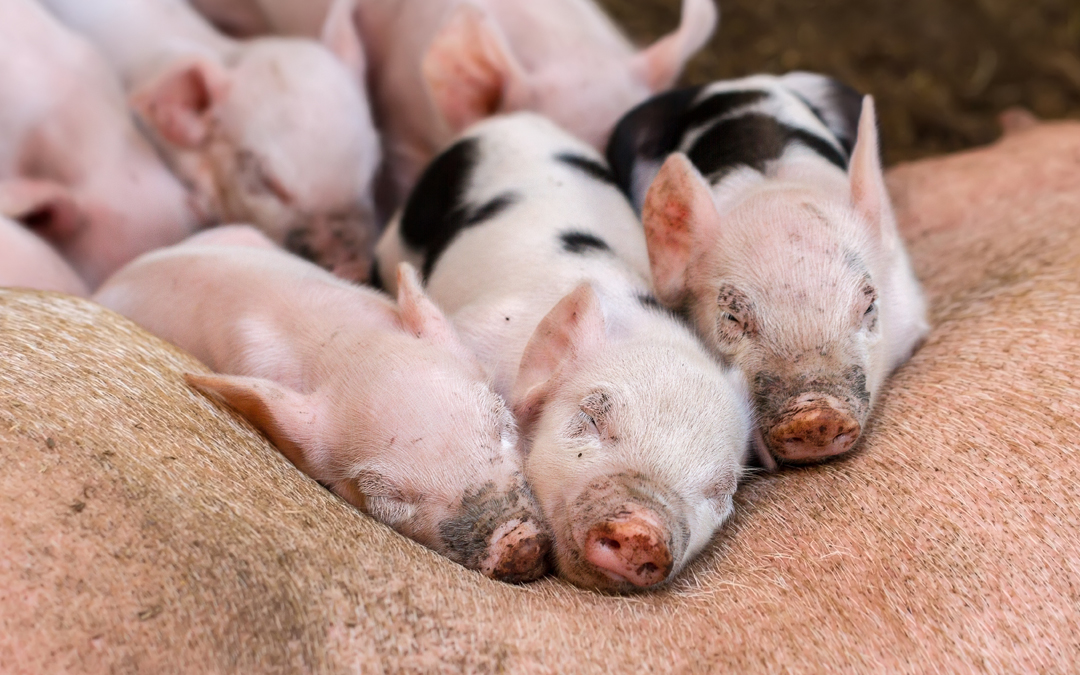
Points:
[(769, 225), (633, 435)]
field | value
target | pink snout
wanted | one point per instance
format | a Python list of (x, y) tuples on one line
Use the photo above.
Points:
[(517, 553), (633, 549), (813, 434)]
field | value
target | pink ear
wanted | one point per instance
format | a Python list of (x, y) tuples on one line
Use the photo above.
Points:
[(43, 206), (678, 211), (286, 417), (868, 193), (574, 328), (661, 64), (469, 69), (179, 103), (339, 34), (418, 313)]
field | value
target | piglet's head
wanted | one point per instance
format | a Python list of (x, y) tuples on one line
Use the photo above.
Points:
[(472, 72), (810, 295), (280, 135), (633, 450), (421, 443)]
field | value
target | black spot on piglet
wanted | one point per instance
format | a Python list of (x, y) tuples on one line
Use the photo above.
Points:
[(575, 241), (597, 170)]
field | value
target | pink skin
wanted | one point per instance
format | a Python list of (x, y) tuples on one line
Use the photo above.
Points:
[(72, 164), (440, 65), (799, 278), (276, 132), (380, 402), (27, 261), (633, 434)]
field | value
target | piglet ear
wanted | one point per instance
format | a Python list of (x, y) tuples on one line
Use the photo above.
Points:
[(678, 212), (868, 193), (179, 103), (418, 313), (470, 71), (661, 64), (286, 417), (47, 208), (573, 329), (339, 35)]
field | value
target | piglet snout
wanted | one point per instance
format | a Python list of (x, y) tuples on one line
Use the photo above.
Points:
[(632, 549), (517, 552), (814, 433)]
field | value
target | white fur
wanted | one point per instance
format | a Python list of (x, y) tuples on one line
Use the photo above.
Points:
[(677, 418)]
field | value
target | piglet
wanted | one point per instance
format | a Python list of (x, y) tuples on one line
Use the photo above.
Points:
[(73, 167), (27, 261), (276, 132), (380, 403), (439, 65), (769, 226), (634, 436)]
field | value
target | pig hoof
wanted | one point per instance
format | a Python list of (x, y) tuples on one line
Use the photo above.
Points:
[(631, 551), (517, 554), (814, 434)]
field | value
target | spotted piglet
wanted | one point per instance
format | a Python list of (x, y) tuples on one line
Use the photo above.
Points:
[(634, 436), (381, 403), (769, 225)]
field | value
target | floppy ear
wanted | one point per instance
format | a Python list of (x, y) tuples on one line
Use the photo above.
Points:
[(573, 329), (339, 35), (286, 417), (418, 313), (868, 193), (43, 206), (660, 64), (179, 103), (470, 71), (678, 210)]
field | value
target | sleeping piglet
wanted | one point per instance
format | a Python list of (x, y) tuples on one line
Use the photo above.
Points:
[(634, 435), (275, 132), (73, 167), (769, 225), (437, 66), (380, 403), (26, 261)]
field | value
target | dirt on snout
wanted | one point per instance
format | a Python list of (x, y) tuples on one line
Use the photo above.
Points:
[(941, 70)]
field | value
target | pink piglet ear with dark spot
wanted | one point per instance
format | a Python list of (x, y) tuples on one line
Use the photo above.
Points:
[(418, 313), (572, 330), (677, 214)]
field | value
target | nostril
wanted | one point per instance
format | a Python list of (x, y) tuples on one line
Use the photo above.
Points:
[(610, 543), (647, 570)]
